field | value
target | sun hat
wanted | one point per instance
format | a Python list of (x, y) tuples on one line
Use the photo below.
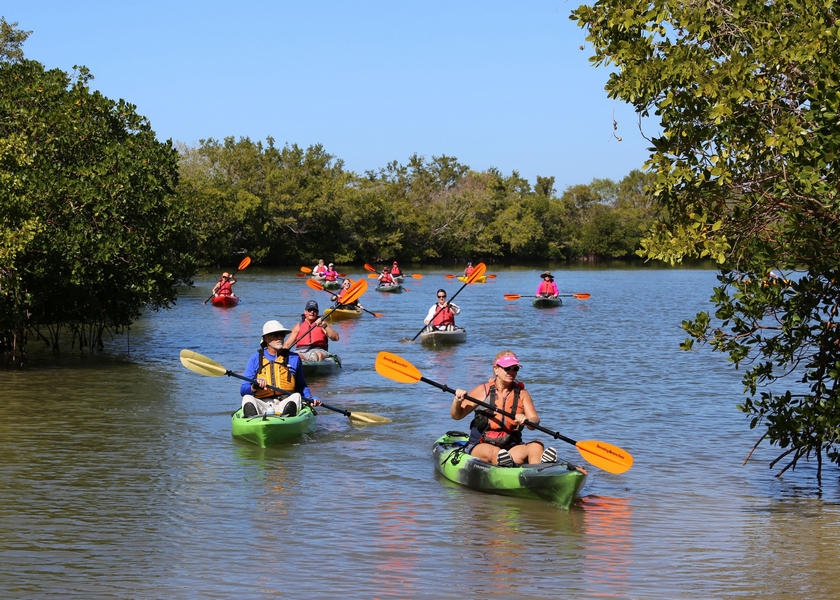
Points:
[(311, 305), (274, 326), (507, 360), (546, 274), (331, 265), (225, 274)]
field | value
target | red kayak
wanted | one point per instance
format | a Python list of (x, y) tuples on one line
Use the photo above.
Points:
[(225, 301)]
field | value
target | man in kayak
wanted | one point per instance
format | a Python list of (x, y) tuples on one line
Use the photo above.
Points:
[(312, 334), (496, 438), (547, 288), (273, 365), (395, 270), (385, 278), (225, 285), (442, 314)]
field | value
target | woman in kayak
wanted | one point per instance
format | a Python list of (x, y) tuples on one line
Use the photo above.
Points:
[(547, 288), (330, 274), (395, 270), (273, 365), (345, 285), (312, 334), (442, 314), (469, 269), (320, 269), (496, 438), (225, 285)]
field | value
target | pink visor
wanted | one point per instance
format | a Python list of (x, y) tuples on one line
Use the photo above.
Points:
[(508, 360)]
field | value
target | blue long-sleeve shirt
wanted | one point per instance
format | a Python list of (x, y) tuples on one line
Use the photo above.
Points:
[(295, 366)]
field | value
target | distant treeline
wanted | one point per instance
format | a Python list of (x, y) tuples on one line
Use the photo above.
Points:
[(289, 205)]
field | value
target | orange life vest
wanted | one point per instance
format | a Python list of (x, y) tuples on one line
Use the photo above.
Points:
[(276, 373), (309, 336), (496, 428), (444, 316)]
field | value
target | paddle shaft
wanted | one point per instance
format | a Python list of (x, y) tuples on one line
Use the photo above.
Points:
[(326, 315), (230, 373), (554, 434), (235, 271), (440, 308)]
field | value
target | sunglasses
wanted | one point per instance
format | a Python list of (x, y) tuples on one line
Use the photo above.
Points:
[(312, 310), (441, 296), (510, 369)]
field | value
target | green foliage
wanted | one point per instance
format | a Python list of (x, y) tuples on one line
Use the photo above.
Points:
[(90, 230), (744, 173)]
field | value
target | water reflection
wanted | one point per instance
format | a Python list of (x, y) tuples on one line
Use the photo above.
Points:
[(608, 528)]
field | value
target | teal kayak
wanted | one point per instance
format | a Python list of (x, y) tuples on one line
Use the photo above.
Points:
[(542, 302), (557, 482), (440, 337), (330, 364), (268, 430)]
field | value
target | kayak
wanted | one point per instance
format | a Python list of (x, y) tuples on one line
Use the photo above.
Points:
[(482, 279), (331, 285), (225, 301), (557, 482), (321, 367), (398, 279), (546, 302), (345, 313), (456, 335), (393, 289), (268, 430)]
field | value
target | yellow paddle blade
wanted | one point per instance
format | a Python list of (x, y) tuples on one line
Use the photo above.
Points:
[(363, 418), (479, 270), (201, 364), (315, 285), (605, 456), (396, 368)]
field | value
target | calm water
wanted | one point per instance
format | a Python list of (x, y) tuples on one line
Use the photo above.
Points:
[(123, 480)]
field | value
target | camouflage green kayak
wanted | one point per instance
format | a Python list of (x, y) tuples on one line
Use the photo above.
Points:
[(557, 482)]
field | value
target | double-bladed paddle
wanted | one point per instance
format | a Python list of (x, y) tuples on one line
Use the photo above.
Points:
[(317, 285), (491, 276), (354, 292), (242, 265), (479, 270), (518, 296), (207, 366), (601, 454)]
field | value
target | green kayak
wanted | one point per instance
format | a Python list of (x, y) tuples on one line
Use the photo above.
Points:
[(268, 430), (542, 302), (330, 364), (392, 289), (557, 482)]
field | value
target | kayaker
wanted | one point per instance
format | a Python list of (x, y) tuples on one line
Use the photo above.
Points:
[(274, 365), (469, 269), (495, 438), (312, 334), (345, 285), (547, 288), (225, 285), (395, 270), (385, 278), (442, 314), (320, 269), (330, 274)]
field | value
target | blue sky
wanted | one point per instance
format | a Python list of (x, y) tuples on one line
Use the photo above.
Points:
[(494, 84)]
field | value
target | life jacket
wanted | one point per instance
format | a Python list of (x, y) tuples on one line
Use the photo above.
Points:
[(494, 428), (320, 270), (444, 316), (330, 275), (386, 279), (468, 270), (309, 336), (395, 271), (545, 288), (225, 288), (276, 373)]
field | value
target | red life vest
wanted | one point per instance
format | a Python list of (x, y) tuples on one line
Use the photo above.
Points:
[(386, 279), (545, 288), (500, 430), (309, 336), (320, 270), (444, 316), (395, 271), (330, 275), (225, 288)]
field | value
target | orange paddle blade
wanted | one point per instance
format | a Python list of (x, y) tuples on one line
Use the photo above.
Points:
[(300, 274), (605, 456), (315, 285), (354, 292), (372, 275), (369, 268), (396, 368), (491, 276), (245, 262), (451, 276), (306, 270), (581, 296), (479, 270), (416, 276), (512, 296)]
